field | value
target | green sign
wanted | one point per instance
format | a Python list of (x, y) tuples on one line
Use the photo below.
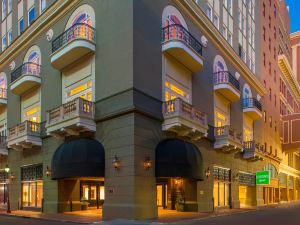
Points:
[(263, 177)]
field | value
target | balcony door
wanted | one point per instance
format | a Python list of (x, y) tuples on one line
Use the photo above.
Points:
[(248, 129), (31, 106)]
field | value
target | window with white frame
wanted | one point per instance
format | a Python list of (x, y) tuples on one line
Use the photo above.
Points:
[(9, 6), (4, 9), (10, 37), (31, 15), (42, 5), (21, 25), (4, 42)]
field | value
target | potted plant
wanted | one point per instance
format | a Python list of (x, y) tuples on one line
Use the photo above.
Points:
[(180, 202), (84, 203)]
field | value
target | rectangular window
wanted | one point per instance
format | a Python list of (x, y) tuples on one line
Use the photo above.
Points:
[(209, 12), (21, 25), (9, 6), (42, 5), (32, 194), (10, 37), (4, 42), (31, 16)]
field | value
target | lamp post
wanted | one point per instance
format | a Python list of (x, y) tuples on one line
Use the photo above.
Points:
[(7, 169)]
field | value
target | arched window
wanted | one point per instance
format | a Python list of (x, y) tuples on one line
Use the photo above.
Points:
[(33, 63), (3, 85), (247, 92), (272, 169), (83, 17)]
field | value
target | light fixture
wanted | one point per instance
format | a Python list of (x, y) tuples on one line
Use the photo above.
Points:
[(116, 163), (12, 177), (7, 169), (178, 182), (207, 172), (48, 172), (236, 177), (147, 163)]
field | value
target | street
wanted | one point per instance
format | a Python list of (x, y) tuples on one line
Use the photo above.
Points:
[(283, 215)]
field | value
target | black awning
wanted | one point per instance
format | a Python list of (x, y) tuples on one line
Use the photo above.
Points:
[(81, 157), (177, 158)]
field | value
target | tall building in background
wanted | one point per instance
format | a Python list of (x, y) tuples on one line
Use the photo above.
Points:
[(136, 106)]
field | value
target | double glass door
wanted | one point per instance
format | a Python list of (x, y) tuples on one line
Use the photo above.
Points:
[(92, 192), (3, 194)]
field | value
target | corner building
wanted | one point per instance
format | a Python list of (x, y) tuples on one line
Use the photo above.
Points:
[(132, 107)]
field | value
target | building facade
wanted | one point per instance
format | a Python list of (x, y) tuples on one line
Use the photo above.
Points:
[(165, 109)]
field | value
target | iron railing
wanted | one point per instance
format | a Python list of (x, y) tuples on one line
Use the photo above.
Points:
[(3, 142), (178, 32), (76, 32), (251, 103), (3, 93), (181, 108), (25, 128), (29, 68), (78, 107), (225, 77)]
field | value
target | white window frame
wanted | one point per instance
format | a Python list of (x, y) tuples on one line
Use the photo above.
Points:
[(4, 45), (41, 6), (32, 8), (19, 31)]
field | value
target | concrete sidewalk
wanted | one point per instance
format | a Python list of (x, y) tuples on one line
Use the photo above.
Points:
[(164, 216)]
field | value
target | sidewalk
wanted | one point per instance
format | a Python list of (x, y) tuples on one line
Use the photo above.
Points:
[(84, 217)]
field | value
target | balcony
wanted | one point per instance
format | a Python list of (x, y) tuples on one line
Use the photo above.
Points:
[(25, 77), (76, 42), (3, 146), (227, 139), (24, 136), (253, 151), (3, 97), (227, 85), (183, 119), (180, 44), (252, 107), (71, 119)]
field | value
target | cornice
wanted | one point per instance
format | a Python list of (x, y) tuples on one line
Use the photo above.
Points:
[(200, 19), (43, 22), (289, 170), (287, 71), (295, 35)]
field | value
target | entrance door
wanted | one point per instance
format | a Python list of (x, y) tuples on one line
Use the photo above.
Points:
[(161, 190), (92, 192), (3, 194)]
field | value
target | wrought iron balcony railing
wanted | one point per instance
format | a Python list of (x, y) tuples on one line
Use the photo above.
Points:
[(3, 93), (225, 77), (27, 68), (79, 31), (251, 103), (178, 32)]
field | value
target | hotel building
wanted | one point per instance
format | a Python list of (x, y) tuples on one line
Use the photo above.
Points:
[(166, 109)]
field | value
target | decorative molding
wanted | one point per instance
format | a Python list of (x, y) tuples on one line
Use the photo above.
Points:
[(204, 41), (258, 97), (191, 8), (49, 35), (12, 65), (237, 75)]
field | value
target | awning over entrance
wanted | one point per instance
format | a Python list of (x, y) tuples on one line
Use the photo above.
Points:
[(177, 158), (78, 158)]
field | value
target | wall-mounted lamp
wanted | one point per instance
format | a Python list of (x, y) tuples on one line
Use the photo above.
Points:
[(6, 169), (116, 163), (48, 172), (207, 172), (178, 182), (147, 163), (236, 177)]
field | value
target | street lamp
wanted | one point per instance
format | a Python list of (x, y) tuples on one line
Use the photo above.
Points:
[(7, 169)]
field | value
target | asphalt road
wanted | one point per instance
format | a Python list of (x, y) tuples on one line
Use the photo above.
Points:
[(284, 215), (7, 220)]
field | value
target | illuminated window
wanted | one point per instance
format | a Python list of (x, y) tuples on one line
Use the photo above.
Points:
[(173, 91), (83, 91), (33, 114)]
